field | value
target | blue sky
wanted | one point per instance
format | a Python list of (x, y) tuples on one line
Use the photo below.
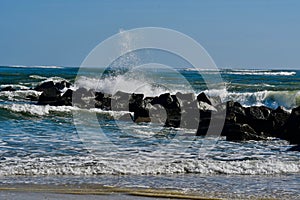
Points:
[(237, 34)]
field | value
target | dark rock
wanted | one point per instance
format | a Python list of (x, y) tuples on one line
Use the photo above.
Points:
[(138, 107), (170, 104), (99, 96), (83, 92), (240, 132), (258, 119), (279, 118), (8, 88), (173, 109), (255, 112), (166, 100), (189, 110), (120, 101), (135, 102), (236, 112), (153, 100), (66, 98), (44, 86), (291, 129), (102, 101), (50, 96), (32, 97), (157, 113), (205, 111), (186, 100), (83, 98), (63, 84), (202, 97), (50, 84), (294, 148)]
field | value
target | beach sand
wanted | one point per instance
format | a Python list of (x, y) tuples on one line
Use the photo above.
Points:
[(29, 191)]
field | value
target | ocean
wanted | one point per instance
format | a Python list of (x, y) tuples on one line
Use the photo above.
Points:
[(42, 144)]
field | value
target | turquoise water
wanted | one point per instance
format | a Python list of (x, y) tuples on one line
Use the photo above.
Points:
[(42, 144)]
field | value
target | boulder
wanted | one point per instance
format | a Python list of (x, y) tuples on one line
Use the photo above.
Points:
[(189, 110), (102, 101), (235, 111), (44, 86), (185, 100), (157, 112), (279, 118), (50, 84), (8, 88), (202, 97), (172, 107), (120, 101), (294, 148), (83, 98), (240, 132), (50, 96), (205, 111), (62, 85), (138, 107), (291, 129), (258, 119), (66, 98)]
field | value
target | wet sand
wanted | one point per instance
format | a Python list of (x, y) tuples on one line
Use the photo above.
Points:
[(36, 192)]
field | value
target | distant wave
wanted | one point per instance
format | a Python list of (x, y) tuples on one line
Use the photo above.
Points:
[(37, 66), (261, 73), (256, 72), (200, 69)]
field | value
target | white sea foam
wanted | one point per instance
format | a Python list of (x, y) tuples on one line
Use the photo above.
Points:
[(262, 73), (15, 86), (111, 85), (115, 114), (36, 109), (272, 99), (55, 79), (18, 95), (203, 70), (133, 166), (37, 77), (41, 110), (37, 66)]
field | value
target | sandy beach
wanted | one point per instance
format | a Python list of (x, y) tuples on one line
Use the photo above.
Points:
[(28, 191)]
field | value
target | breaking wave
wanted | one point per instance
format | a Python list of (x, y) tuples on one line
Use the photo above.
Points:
[(111, 85), (271, 99), (90, 166), (261, 73), (41, 110)]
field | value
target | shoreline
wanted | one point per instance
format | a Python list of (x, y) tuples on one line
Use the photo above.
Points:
[(94, 190)]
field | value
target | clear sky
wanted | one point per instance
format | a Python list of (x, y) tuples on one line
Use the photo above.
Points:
[(236, 33)]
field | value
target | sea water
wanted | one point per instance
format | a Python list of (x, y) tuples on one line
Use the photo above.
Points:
[(43, 144)]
